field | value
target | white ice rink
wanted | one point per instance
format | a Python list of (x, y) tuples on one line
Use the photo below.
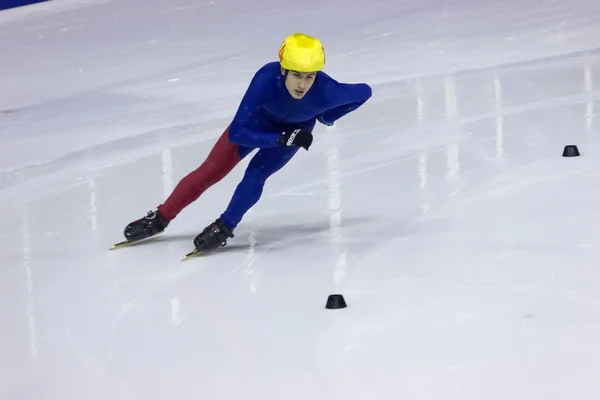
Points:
[(466, 246)]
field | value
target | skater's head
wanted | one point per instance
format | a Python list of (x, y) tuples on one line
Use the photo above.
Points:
[(298, 83), (301, 57)]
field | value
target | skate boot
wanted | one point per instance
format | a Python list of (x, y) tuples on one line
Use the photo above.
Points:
[(213, 236), (145, 227)]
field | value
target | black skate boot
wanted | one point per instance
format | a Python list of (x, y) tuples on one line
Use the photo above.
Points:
[(213, 236), (145, 227)]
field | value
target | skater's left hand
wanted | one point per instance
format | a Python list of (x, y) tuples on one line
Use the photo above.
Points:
[(321, 120)]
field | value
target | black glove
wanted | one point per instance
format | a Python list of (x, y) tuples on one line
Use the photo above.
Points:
[(297, 137)]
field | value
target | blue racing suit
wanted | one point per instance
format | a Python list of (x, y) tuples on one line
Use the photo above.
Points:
[(266, 110)]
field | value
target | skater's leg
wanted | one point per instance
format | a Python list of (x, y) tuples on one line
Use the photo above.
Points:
[(221, 160), (264, 164)]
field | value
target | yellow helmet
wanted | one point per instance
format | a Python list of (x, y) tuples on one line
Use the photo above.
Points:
[(302, 53)]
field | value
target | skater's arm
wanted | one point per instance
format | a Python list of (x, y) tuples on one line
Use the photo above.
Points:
[(344, 98), (241, 131)]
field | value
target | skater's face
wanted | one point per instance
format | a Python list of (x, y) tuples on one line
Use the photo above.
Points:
[(298, 83)]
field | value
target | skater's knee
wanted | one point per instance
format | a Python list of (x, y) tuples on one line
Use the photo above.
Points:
[(256, 176)]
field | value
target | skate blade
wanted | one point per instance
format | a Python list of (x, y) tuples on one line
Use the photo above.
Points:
[(128, 242), (189, 255), (196, 252)]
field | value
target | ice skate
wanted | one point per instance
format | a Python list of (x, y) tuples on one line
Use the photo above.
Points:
[(213, 236), (150, 225)]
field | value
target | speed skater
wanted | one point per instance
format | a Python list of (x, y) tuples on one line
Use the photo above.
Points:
[(277, 115)]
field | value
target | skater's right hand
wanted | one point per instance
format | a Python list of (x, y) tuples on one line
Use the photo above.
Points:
[(297, 137)]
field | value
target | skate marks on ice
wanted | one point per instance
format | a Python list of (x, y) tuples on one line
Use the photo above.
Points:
[(261, 240), (46, 168)]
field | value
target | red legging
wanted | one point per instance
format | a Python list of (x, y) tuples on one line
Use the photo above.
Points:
[(220, 161)]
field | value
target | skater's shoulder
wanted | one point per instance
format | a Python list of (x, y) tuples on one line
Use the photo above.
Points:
[(265, 78), (324, 76), (324, 83), (269, 70)]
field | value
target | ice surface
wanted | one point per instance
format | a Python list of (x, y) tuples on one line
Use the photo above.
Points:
[(465, 245)]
